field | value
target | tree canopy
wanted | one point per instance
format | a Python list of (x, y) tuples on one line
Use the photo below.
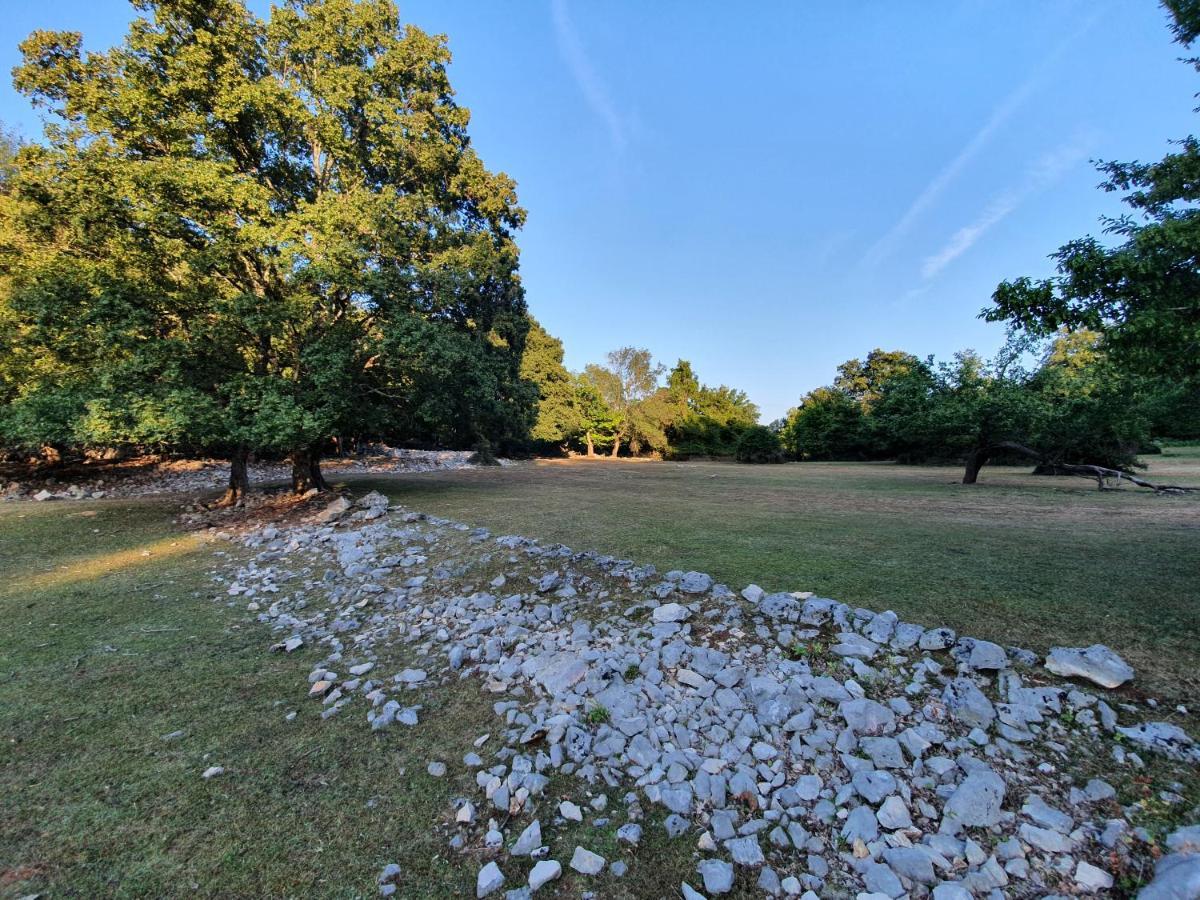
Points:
[(1072, 406), (246, 234)]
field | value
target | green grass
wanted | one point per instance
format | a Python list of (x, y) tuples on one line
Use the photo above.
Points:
[(115, 636), (1017, 559)]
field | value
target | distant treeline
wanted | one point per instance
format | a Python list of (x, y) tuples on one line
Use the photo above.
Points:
[(1062, 399)]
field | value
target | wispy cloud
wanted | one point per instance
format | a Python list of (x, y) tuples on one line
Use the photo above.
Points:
[(593, 87), (996, 121), (1041, 175)]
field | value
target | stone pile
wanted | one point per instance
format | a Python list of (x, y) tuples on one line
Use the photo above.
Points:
[(805, 747)]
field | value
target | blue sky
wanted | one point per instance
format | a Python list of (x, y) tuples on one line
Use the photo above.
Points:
[(769, 189)]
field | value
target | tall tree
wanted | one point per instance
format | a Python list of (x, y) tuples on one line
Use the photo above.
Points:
[(866, 381), (252, 235), (558, 411), (703, 420), (627, 385), (597, 420), (828, 424)]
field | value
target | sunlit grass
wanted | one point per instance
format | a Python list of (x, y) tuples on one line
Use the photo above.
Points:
[(1018, 559)]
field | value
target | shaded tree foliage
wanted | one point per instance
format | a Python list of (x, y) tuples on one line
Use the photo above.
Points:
[(759, 444), (704, 421), (559, 408), (1075, 406), (246, 234)]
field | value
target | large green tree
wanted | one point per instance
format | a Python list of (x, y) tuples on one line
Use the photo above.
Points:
[(629, 387), (249, 234), (703, 420), (559, 416), (865, 381)]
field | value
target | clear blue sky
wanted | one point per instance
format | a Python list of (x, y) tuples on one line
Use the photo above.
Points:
[(768, 189)]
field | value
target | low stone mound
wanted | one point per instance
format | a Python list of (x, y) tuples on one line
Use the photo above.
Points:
[(805, 747)]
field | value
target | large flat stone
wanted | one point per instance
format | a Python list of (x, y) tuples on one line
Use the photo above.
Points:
[(1096, 663)]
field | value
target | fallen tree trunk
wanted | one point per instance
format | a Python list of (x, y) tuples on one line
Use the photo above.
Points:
[(1102, 474)]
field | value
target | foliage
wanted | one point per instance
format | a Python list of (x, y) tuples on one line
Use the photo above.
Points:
[(828, 424), (704, 421), (559, 415), (628, 385), (255, 234), (759, 444), (1074, 406), (598, 421), (866, 381)]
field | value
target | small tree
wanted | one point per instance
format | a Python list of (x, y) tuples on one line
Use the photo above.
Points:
[(598, 422), (559, 419), (759, 444), (828, 424)]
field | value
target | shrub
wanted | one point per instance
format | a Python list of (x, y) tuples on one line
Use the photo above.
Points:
[(759, 444)]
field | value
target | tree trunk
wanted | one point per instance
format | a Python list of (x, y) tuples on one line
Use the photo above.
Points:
[(591, 451), (616, 446), (975, 461), (306, 470), (239, 479)]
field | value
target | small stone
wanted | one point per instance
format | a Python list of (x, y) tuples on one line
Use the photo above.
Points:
[(968, 704), (986, 656), (745, 851), (695, 583), (630, 834), (212, 772), (530, 840), (951, 890), (976, 802), (675, 825), (937, 639), (717, 875), (893, 814), (570, 811), (489, 880), (671, 612), (546, 870), (1091, 878), (436, 769), (882, 881), (586, 862)]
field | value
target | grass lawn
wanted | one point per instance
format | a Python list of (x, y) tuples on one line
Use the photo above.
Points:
[(112, 639), (116, 635), (1017, 559)]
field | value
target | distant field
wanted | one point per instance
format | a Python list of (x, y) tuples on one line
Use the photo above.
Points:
[(1019, 559)]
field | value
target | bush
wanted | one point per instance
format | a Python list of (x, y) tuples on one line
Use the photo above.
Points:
[(759, 444)]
